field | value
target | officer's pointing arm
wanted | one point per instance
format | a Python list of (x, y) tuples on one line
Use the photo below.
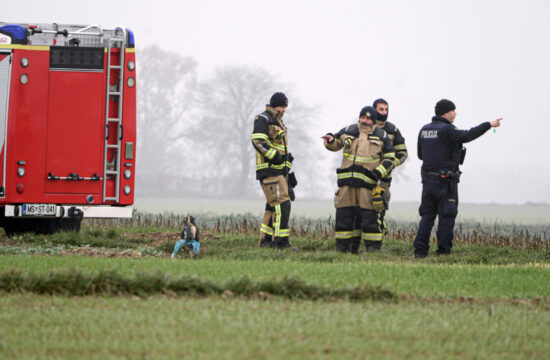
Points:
[(464, 136), (337, 142)]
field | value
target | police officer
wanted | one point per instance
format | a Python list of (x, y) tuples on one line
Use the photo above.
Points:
[(368, 157), (441, 151), (273, 163), (382, 109)]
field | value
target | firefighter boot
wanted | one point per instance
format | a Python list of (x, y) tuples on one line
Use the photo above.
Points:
[(281, 243), (343, 245), (266, 229), (266, 240), (373, 246), (355, 244)]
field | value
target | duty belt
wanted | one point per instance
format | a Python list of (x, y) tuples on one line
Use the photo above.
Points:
[(444, 174)]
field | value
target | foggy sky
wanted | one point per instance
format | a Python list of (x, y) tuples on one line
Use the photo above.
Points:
[(490, 58)]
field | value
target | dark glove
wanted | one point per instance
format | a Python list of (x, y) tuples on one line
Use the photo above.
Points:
[(290, 157), (291, 194), (278, 159)]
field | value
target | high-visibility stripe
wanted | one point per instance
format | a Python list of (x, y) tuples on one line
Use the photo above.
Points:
[(356, 175), (400, 147), (397, 162), (259, 136), (262, 166), (283, 233), (277, 220), (288, 164), (361, 159), (389, 155), (278, 146), (372, 236), (270, 154), (347, 234), (266, 229), (24, 47), (382, 170)]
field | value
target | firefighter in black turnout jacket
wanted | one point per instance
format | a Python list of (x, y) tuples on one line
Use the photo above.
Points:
[(368, 157), (441, 151), (398, 142), (273, 164)]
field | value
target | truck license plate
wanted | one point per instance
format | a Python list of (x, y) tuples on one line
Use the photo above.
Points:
[(39, 209)]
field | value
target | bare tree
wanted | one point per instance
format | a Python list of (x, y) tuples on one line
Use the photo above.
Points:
[(229, 101), (166, 88)]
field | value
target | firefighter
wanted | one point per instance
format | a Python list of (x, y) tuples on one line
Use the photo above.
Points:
[(273, 164), (398, 142), (441, 151), (368, 157)]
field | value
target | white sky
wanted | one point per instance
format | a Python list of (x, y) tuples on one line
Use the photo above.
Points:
[(491, 58)]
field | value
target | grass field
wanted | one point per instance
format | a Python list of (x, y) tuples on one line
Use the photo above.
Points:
[(483, 301)]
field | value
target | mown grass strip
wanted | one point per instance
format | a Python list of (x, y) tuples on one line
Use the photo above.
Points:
[(76, 283)]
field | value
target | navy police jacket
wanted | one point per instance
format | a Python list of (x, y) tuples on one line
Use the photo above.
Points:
[(440, 144)]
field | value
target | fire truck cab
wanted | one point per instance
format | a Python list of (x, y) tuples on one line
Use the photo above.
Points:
[(67, 125)]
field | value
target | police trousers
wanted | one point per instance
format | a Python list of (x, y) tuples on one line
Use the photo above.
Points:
[(274, 230), (356, 220), (439, 198)]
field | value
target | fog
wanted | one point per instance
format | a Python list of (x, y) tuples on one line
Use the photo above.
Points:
[(490, 58)]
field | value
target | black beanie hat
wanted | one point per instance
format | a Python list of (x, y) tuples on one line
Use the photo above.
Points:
[(369, 112), (443, 106), (377, 101), (278, 99)]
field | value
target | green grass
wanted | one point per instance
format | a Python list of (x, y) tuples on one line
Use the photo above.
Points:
[(483, 301), (417, 279), (215, 328)]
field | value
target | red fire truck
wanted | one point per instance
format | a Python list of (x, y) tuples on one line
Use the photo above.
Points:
[(67, 125)]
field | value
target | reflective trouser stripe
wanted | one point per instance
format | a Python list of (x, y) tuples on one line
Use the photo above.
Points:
[(372, 236), (277, 223), (347, 234), (266, 229)]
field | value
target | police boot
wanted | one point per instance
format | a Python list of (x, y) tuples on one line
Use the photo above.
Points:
[(343, 245), (373, 246)]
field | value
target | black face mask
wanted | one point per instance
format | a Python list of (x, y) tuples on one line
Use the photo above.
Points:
[(381, 117)]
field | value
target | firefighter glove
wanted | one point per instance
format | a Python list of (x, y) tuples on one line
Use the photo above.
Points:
[(278, 159), (291, 194), (378, 199), (290, 157)]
